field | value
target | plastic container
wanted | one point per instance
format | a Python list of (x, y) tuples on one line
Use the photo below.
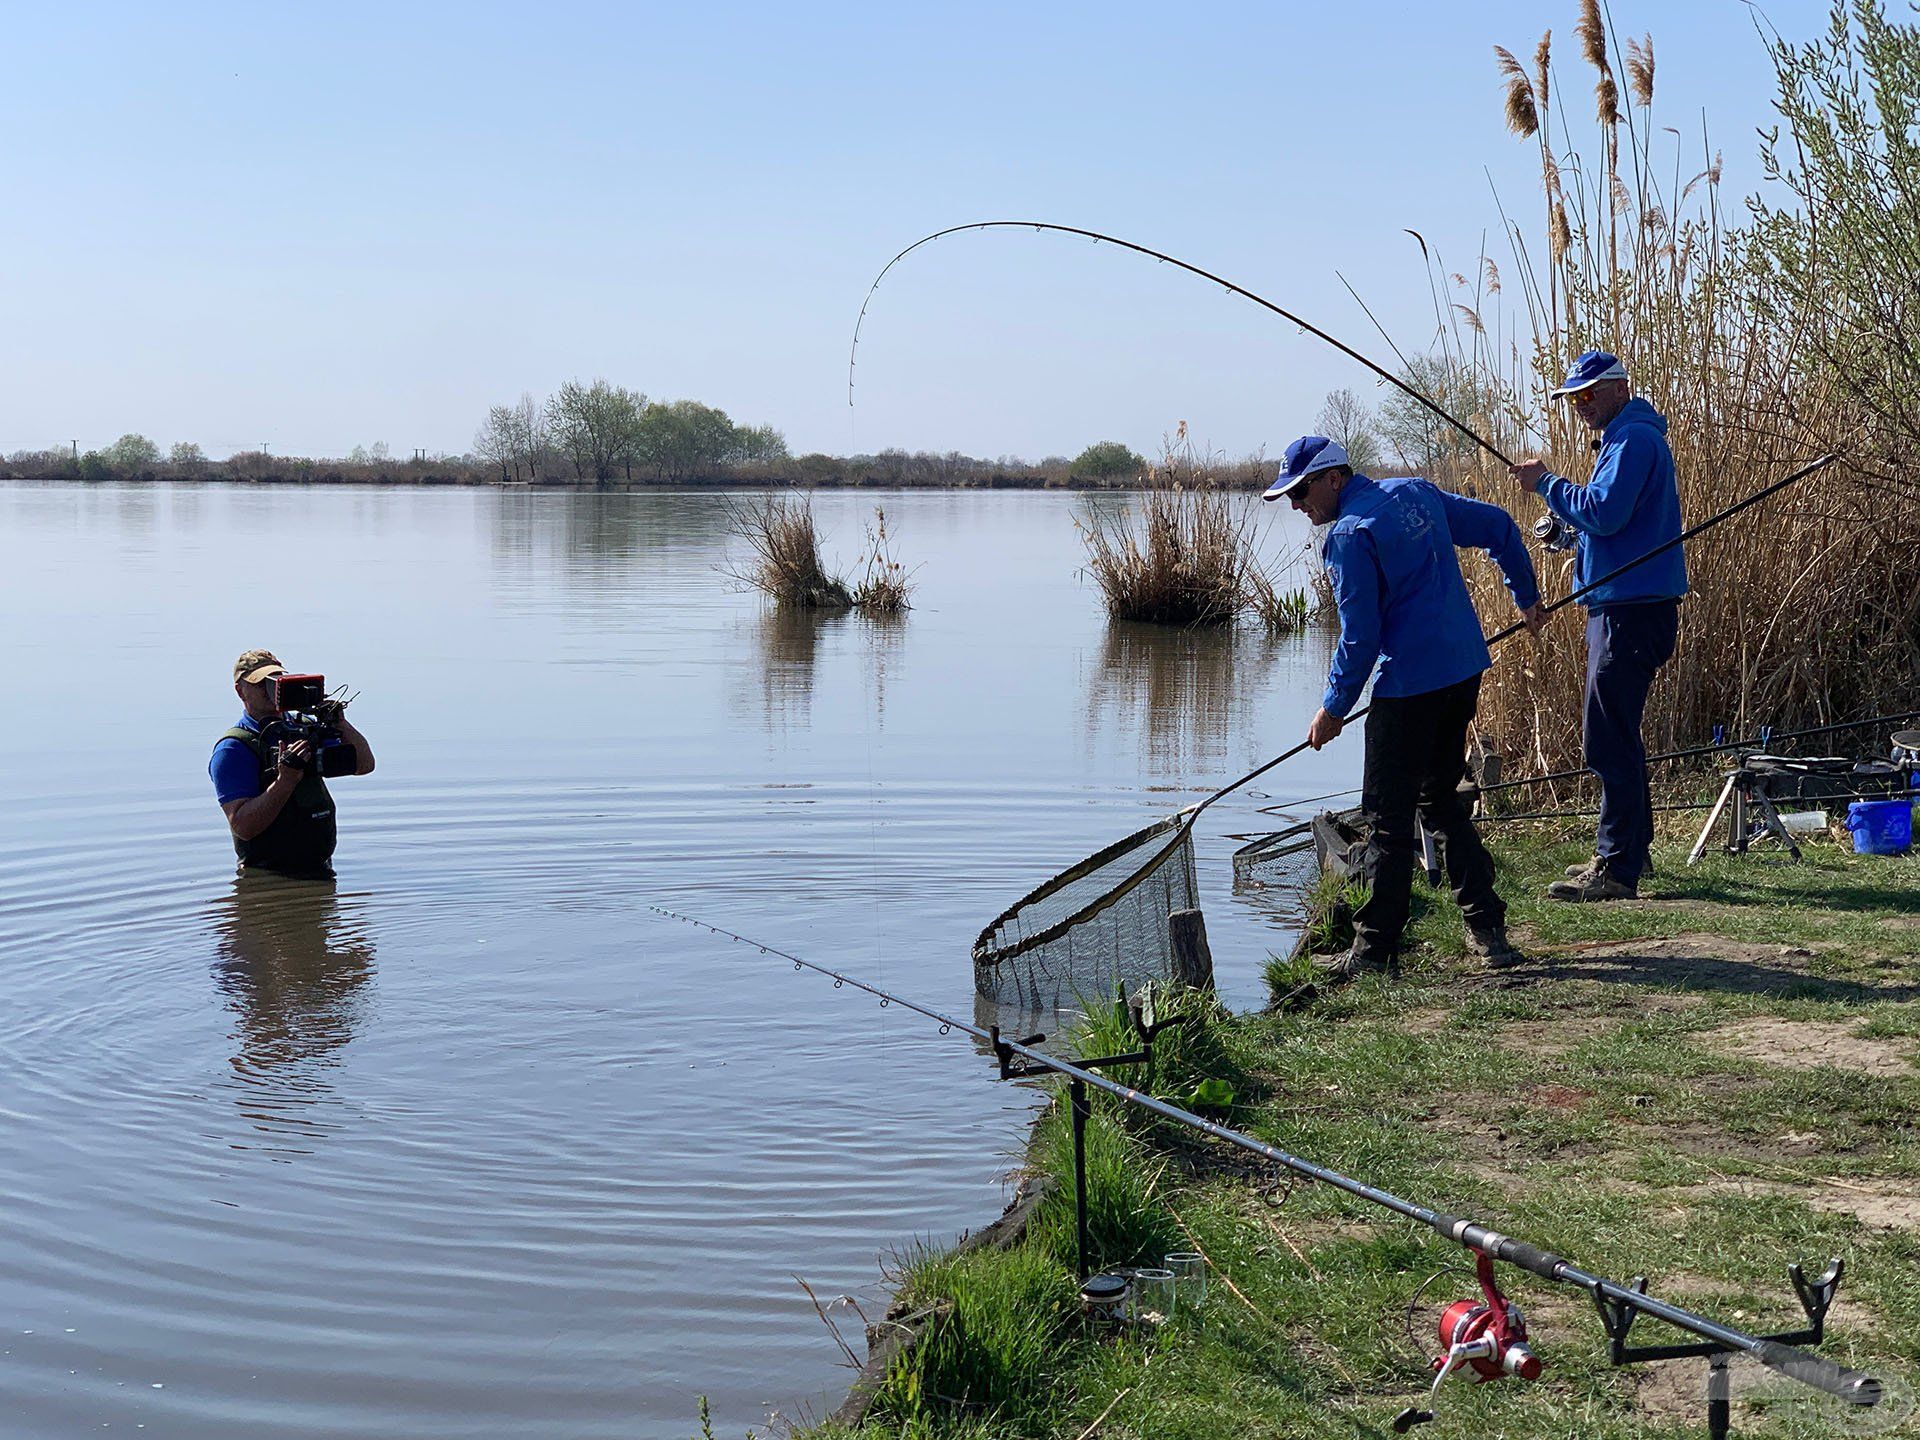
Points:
[(1803, 822), (1881, 827)]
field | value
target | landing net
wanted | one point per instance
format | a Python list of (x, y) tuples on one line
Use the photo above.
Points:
[(1285, 860), (1093, 927)]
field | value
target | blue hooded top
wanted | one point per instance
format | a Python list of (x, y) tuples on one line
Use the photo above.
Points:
[(1628, 507), (1389, 554)]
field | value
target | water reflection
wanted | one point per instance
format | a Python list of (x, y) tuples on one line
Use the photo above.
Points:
[(575, 531), (886, 643), (294, 960), (776, 685), (1180, 693)]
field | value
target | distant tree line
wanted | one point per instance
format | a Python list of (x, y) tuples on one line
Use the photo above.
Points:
[(602, 432), (606, 436)]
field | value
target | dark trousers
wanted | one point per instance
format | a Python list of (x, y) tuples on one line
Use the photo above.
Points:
[(1416, 754), (1626, 646)]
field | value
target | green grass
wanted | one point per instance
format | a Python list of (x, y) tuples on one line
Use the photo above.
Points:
[(1592, 1103)]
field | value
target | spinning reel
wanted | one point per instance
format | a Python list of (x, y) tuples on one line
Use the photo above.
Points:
[(1484, 1339)]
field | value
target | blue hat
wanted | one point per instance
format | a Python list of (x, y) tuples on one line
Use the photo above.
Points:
[(1306, 457), (1590, 369)]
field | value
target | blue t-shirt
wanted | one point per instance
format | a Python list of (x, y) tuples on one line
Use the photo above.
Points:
[(235, 772)]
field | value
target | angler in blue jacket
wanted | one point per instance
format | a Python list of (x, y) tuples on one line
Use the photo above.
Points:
[(1628, 507), (1389, 554)]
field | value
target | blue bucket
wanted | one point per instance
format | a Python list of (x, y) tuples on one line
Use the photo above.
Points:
[(1881, 827)]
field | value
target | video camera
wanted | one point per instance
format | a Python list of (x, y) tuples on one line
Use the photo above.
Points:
[(304, 711)]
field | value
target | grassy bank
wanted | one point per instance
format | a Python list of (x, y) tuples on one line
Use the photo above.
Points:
[(1699, 1086)]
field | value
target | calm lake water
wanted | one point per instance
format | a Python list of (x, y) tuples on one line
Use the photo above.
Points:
[(470, 1143)]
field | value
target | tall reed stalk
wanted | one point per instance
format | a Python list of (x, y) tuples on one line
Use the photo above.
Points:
[(1796, 613)]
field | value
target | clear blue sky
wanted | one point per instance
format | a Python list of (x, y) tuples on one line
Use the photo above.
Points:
[(322, 226)]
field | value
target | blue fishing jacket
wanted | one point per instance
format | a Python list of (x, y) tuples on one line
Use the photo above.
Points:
[(1389, 554), (1628, 507)]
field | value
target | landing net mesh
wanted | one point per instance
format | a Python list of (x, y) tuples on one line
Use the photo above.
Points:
[(1285, 860), (1093, 927)]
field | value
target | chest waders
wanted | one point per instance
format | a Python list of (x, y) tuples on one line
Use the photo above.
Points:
[(301, 838)]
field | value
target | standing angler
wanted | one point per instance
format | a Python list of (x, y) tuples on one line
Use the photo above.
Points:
[(1629, 506), (1389, 555)]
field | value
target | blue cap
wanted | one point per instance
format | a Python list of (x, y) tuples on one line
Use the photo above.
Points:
[(1590, 369), (1306, 457)]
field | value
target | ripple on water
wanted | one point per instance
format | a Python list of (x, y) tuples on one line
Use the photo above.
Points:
[(469, 1143)]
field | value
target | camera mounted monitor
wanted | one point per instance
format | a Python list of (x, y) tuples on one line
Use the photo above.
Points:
[(299, 694)]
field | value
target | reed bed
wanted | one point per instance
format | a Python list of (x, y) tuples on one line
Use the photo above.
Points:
[(1801, 611), (782, 557), (1184, 555)]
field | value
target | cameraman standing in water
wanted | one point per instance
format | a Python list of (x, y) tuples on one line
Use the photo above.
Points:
[(271, 786)]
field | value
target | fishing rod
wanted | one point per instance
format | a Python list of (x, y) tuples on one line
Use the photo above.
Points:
[(1618, 1305), (1494, 639), (1098, 238), (1767, 736)]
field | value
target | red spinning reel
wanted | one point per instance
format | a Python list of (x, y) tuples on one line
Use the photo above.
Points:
[(1486, 1339)]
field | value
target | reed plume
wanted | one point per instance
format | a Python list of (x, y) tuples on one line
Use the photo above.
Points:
[(1522, 118), (1640, 70), (1606, 99), (1591, 31)]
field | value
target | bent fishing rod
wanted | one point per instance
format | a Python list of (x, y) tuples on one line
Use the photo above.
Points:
[(1618, 1304), (1098, 238), (1494, 639)]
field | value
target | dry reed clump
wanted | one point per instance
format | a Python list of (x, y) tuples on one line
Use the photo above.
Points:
[(1184, 556), (1795, 615), (886, 583), (782, 559)]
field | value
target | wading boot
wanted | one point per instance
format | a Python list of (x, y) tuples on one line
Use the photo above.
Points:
[(1596, 884), (1493, 948), (1338, 969)]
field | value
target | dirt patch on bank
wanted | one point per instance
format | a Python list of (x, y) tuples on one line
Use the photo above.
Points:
[(1699, 962), (1812, 1044), (1879, 1205)]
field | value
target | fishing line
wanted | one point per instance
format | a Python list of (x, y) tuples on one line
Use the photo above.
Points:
[(1098, 238), (1494, 639), (1042, 226), (1618, 1304)]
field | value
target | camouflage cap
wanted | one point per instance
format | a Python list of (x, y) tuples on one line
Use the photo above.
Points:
[(253, 666)]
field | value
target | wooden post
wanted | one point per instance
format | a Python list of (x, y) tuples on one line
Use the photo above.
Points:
[(1192, 959)]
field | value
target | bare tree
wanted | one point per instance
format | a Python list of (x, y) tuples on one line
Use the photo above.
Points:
[(493, 441), (515, 438), (1345, 419)]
